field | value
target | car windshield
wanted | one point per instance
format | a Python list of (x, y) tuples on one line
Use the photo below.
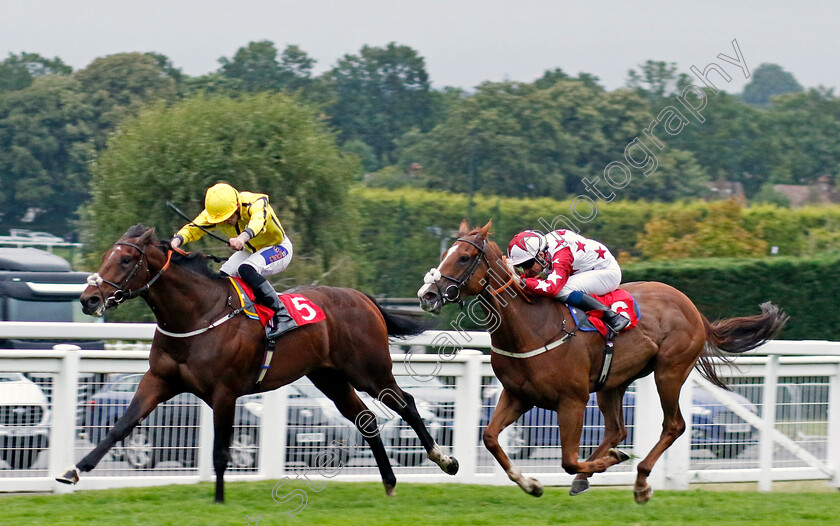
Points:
[(11, 377), (127, 384)]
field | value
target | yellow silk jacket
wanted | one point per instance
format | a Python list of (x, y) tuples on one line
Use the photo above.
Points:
[(255, 217)]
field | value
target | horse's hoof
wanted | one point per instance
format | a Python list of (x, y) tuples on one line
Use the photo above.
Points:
[(452, 467), (71, 476), (619, 455), (536, 489), (643, 495), (390, 491), (578, 487)]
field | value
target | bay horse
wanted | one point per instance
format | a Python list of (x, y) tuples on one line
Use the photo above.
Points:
[(349, 350), (671, 339)]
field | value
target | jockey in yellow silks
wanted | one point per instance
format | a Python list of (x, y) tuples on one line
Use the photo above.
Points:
[(262, 247)]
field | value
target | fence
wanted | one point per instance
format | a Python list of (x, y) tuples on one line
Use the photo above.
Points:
[(775, 424)]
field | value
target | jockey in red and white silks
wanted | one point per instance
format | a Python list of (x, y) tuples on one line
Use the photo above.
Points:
[(574, 268)]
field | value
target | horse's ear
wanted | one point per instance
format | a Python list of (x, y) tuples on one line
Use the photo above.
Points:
[(485, 230), (464, 229), (148, 236)]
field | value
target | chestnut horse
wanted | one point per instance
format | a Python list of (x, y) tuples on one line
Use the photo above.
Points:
[(220, 363), (671, 339)]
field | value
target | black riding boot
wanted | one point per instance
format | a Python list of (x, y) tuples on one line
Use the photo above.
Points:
[(613, 320), (265, 295)]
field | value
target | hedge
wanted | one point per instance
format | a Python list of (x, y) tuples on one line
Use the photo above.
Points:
[(397, 250), (724, 288)]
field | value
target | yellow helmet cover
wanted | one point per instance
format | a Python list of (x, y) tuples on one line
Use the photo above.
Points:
[(221, 201)]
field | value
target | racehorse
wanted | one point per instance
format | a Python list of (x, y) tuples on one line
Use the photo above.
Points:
[(671, 339), (194, 351)]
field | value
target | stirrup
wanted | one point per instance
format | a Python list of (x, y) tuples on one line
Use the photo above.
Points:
[(279, 325), (618, 323)]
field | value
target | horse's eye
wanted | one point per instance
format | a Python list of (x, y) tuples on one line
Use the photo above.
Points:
[(464, 259), (125, 260)]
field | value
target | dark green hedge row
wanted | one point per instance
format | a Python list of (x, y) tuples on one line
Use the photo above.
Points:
[(805, 288), (398, 250)]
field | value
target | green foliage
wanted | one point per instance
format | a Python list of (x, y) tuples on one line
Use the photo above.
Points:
[(381, 93), (256, 67), (719, 232), (657, 80), (20, 71), (769, 80), (678, 176), (268, 143), (725, 288), (811, 503), (364, 152), (768, 195), (118, 86), (45, 141)]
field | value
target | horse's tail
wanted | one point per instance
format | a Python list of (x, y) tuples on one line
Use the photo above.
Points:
[(401, 326), (738, 335)]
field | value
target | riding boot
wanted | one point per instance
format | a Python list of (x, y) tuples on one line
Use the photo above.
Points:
[(265, 294), (612, 319)]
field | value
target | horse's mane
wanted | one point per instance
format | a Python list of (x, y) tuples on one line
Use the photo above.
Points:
[(193, 261)]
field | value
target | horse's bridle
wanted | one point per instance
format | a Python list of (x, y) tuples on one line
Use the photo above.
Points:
[(120, 295), (452, 293)]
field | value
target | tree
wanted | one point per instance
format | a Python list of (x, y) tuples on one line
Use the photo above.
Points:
[(19, 71), (119, 85), (381, 93), (678, 176), (257, 68), (269, 143), (803, 130), (45, 142), (255, 65), (495, 141), (295, 68), (657, 80), (517, 139), (735, 141), (769, 80)]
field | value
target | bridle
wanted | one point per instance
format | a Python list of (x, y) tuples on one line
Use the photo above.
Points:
[(120, 294), (452, 293)]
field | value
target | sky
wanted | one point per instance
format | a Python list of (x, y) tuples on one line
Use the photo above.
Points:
[(464, 42)]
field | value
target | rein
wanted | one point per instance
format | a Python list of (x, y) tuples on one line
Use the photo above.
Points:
[(513, 280), (120, 295)]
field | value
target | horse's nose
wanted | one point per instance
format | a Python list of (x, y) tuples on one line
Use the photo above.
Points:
[(90, 304), (429, 298)]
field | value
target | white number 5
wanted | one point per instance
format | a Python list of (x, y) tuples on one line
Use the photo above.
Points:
[(306, 311)]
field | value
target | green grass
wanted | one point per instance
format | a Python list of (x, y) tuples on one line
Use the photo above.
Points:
[(414, 505)]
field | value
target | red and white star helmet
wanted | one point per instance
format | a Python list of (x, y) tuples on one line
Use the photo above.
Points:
[(527, 245)]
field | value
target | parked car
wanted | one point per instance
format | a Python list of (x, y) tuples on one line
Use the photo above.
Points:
[(317, 432), (24, 420), (431, 394), (169, 433), (714, 427)]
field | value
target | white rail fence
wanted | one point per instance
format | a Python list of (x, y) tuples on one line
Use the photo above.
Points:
[(777, 423)]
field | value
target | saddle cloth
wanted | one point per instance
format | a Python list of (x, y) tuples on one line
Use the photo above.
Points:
[(303, 310), (619, 300)]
